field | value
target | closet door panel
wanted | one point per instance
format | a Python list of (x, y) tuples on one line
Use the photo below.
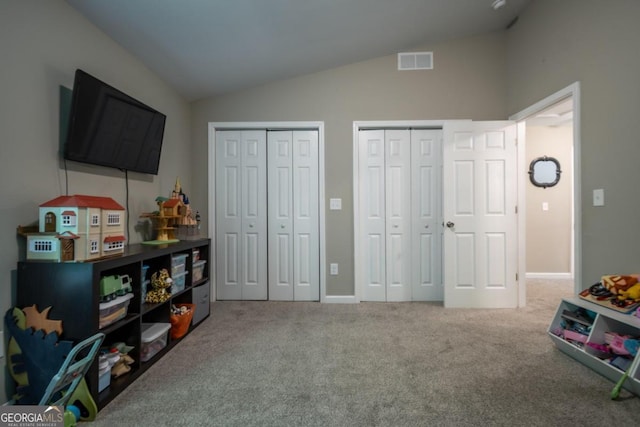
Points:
[(398, 218), (306, 219), (280, 206), (254, 212), (371, 149), (228, 214), (426, 152), (241, 268)]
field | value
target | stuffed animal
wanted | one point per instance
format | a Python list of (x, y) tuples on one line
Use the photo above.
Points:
[(161, 284), (632, 293), (122, 366)]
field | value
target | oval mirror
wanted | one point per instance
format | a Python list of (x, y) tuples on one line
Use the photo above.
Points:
[(544, 172)]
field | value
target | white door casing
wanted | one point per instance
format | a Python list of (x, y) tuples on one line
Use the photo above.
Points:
[(479, 208), (241, 221), (294, 267)]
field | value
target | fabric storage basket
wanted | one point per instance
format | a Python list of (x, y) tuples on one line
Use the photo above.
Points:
[(180, 322)]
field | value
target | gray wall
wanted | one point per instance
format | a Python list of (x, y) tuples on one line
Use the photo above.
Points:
[(467, 83), (549, 232), (556, 43), (41, 45)]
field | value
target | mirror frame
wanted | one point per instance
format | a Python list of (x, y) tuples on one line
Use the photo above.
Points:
[(546, 183)]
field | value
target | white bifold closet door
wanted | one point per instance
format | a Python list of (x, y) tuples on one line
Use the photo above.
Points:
[(241, 215), (399, 188), (293, 224)]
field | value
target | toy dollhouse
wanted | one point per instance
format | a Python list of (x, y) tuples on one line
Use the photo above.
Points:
[(77, 228), (174, 218)]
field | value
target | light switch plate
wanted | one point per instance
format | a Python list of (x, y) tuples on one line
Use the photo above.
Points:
[(598, 197), (545, 206), (333, 269), (335, 204)]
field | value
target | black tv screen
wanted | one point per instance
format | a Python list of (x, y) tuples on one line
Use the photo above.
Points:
[(109, 128)]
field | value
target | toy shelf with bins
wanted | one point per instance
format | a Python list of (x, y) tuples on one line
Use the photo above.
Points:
[(72, 290), (605, 320)]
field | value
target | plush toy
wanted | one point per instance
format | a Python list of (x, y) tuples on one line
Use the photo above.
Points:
[(632, 293), (161, 284), (122, 366)]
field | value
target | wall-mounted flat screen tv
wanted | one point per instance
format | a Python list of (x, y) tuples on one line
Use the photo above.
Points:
[(109, 128)]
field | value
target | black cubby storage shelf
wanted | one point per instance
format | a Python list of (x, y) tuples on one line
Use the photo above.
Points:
[(72, 290)]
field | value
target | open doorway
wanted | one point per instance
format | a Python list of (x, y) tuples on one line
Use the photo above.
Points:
[(550, 225)]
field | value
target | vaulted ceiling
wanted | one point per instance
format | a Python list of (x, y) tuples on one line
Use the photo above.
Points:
[(205, 48)]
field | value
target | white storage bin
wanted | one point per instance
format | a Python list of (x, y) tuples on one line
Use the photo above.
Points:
[(114, 310), (198, 270), (178, 282), (154, 339), (178, 264)]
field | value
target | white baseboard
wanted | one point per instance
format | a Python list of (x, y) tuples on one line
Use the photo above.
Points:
[(549, 276), (340, 299)]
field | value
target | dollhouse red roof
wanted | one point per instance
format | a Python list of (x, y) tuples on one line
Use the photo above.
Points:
[(172, 202), (114, 239), (84, 202)]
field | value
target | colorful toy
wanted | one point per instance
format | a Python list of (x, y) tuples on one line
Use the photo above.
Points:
[(114, 286), (631, 347), (77, 228), (174, 218), (617, 283), (632, 293), (35, 358), (161, 284)]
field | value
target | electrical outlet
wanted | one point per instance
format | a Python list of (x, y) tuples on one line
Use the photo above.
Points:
[(333, 269), (335, 204)]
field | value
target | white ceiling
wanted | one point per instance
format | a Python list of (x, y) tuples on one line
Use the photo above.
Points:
[(210, 47)]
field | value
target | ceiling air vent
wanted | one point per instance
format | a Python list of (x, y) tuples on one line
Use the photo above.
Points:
[(415, 61)]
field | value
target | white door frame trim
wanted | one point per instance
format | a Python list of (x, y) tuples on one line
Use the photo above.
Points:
[(215, 126), (573, 91), (357, 125)]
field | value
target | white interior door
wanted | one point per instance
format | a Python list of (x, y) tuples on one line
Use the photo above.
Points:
[(480, 193), (241, 215), (426, 213), (399, 208), (398, 214), (372, 227), (280, 165), (294, 245), (306, 216)]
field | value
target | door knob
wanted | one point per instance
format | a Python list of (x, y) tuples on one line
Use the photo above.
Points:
[(450, 224), (282, 226)]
